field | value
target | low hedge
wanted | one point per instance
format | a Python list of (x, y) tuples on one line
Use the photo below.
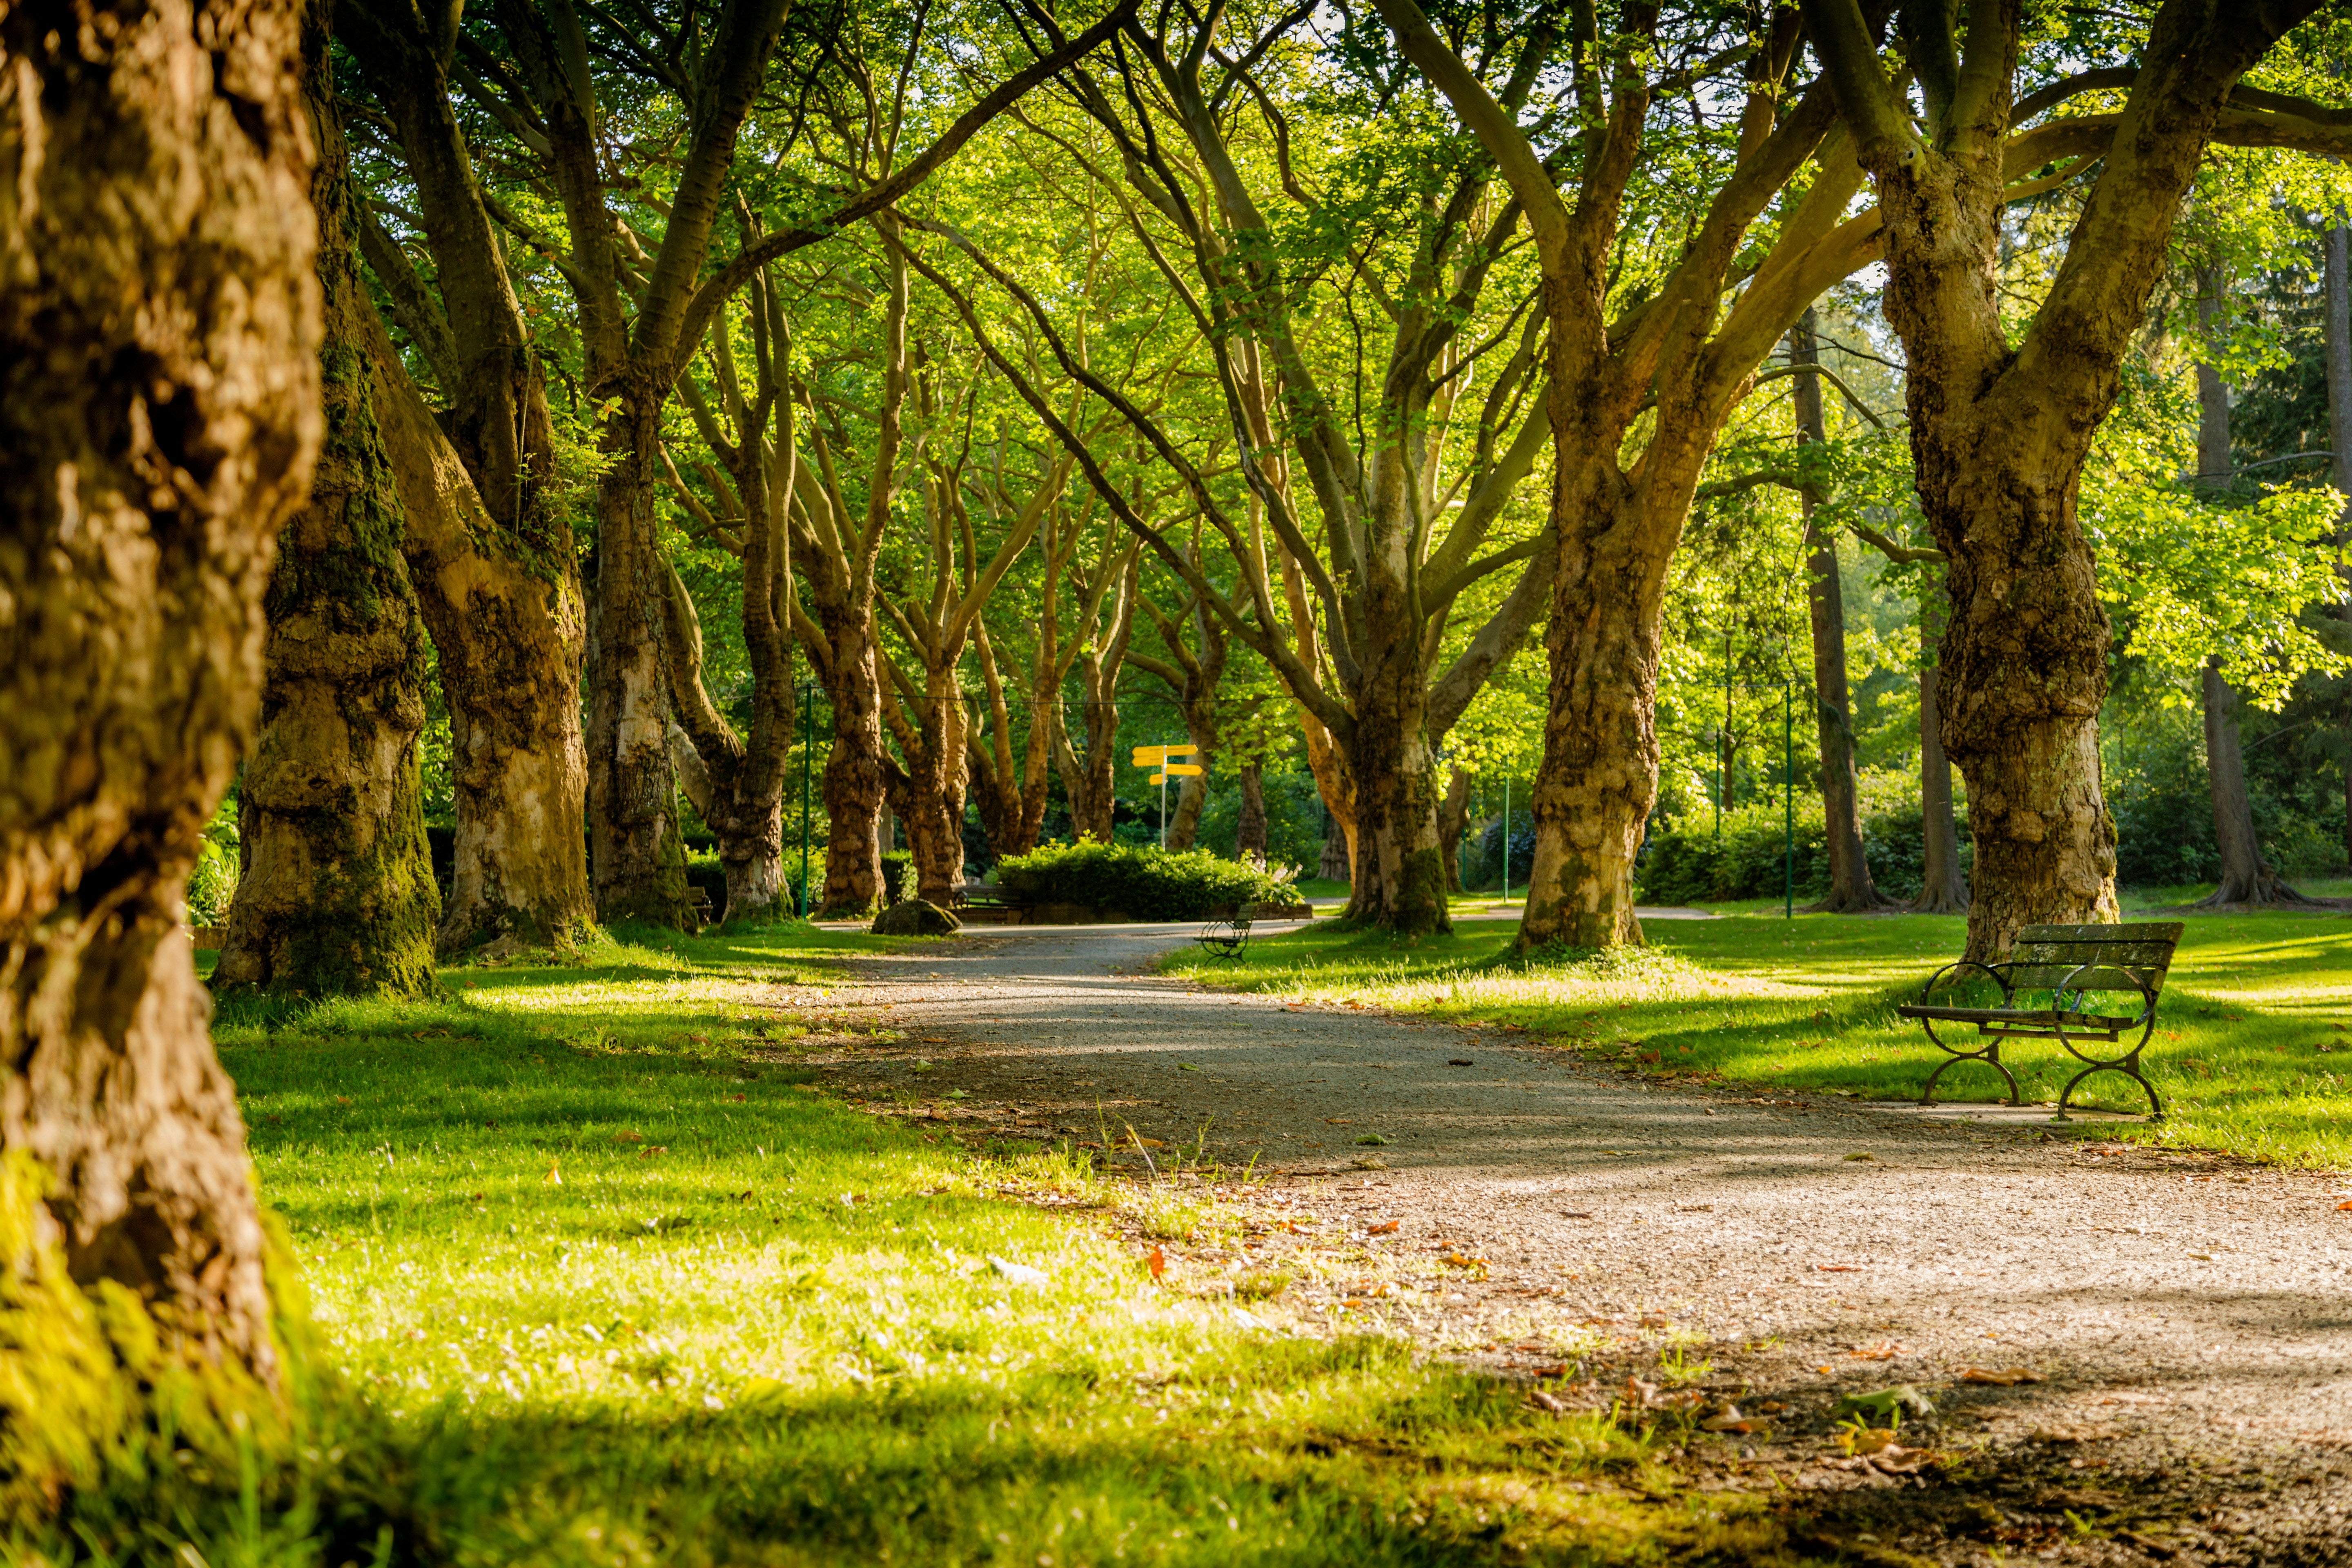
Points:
[(1141, 882)]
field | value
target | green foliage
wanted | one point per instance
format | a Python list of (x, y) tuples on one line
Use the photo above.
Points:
[(212, 886), (1141, 882), (1687, 862)]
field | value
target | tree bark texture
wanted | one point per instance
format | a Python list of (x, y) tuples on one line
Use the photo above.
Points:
[(635, 854), (1337, 865), (1851, 889), (510, 630), (336, 895), (852, 781), (490, 553), (1249, 827), (158, 416), (1453, 821), (2337, 338), (1943, 889)]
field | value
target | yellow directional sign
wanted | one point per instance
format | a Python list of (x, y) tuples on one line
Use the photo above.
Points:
[(1185, 770), (1152, 756)]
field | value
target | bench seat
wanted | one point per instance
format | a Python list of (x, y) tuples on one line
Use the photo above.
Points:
[(2021, 1017)]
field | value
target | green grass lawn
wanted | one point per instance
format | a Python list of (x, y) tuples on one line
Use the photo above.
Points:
[(597, 1275), (2251, 1053)]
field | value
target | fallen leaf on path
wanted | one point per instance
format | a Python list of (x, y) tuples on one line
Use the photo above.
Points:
[(1388, 1229), (1157, 1261), (1640, 1394), (1337, 1121), (1187, 1067), (1543, 1401), (1838, 1268), (1373, 1140), (554, 1177), (2346, 1203), (2006, 1377), (1887, 1352), (1455, 1260), (1459, 1062), (1865, 1154)]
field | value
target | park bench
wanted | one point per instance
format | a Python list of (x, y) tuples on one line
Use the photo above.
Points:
[(1227, 934), (986, 903), (2069, 962)]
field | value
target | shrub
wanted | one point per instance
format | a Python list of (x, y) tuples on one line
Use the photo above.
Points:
[(1141, 882), (1685, 861)]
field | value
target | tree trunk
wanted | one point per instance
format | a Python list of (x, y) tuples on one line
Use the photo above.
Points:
[(635, 854), (1399, 883), (336, 895), (1249, 831), (1336, 865), (1942, 890), (2338, 340), (499, 583), (853, 770), (2247, 879), (509, 633), (933, 782), (1599, 773), (1851, 889), (1453, 818), (158, 416)]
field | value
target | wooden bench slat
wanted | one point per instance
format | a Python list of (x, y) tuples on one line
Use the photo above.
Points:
[(2042, 1016), (2049, 977)]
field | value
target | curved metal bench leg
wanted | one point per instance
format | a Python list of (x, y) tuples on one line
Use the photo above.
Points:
[(1990, 1056), (2127, 1066)]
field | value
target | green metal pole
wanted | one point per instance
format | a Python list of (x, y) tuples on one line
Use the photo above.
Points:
[(1788, 802), (808, 744), (1506, 839)]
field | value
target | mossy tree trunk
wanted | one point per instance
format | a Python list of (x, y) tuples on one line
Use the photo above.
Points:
[(1249, 830), (158, 416), (337, 895), (490, 552)]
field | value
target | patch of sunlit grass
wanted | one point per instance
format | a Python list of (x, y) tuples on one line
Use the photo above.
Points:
[(604, 1277), (2252, 1053)]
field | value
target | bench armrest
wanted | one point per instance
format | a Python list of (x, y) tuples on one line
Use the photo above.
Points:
[(1997, 971)]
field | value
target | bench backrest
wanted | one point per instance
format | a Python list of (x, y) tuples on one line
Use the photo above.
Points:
[(2125, 956)]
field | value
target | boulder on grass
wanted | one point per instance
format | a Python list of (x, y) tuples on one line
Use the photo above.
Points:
[(915, 917)]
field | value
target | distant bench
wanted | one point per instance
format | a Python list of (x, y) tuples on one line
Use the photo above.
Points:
[(1227, 934), (2069, 962)]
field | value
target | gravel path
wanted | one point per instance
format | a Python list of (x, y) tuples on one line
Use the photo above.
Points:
[(2186, 1321)]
